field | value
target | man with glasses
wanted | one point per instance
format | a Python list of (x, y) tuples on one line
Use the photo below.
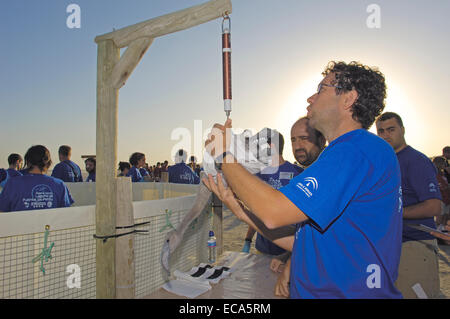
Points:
[(421, 201), (348, 237)]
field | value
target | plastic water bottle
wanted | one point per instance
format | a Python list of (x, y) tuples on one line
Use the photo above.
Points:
[(211, 247)]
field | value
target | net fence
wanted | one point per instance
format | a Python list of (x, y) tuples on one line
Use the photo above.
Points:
[(60, 262)]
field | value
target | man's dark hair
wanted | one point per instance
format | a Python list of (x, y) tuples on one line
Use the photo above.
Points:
[(278, 141), (390, 115), (13, 158), (368, 82), (446, 149), (64, 150), (440, 162), (123, 165), (135, 158), (38, 155), (317, 139), (92, 160)]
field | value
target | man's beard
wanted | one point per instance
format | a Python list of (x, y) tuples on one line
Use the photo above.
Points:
[(305, 159)]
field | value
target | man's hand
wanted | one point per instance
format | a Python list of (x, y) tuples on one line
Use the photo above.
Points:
[(282, 285), (218, 140), (277, 265), (226, 195), (446, 238)]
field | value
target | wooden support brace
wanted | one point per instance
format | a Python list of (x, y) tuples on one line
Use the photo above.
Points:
[(129, 61), (169, 23)]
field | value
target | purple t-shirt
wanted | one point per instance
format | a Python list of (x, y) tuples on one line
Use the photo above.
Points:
[(419, 183), (34, 191), (276, 177), (135, 175), (182, 174), (68, 172), (7, 174)]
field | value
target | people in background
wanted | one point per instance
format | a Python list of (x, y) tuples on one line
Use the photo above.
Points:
[(446, 155), (137, 160), (277, 175), (181, 173), (440, 164), (90, 168), (124, 168), (66, 170), (421, 200), (307, 144), (35, 190), (15, 162)]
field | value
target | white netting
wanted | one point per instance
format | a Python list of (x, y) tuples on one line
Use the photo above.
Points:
[(22, 236)]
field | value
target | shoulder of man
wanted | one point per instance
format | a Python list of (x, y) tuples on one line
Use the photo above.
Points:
[(416, 159), (3, 174)]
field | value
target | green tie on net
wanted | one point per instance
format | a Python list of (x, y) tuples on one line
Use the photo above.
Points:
[(45, 254)]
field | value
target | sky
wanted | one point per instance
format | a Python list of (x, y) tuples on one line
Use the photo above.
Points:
[(279, 49)]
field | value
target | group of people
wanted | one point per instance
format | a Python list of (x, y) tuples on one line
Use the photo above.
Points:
[(340, 225), (345, 217), (180, 173), (29, 187)]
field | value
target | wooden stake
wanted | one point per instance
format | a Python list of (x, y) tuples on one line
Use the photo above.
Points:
[(106, 151)]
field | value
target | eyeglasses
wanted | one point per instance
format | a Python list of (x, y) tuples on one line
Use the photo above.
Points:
[(319, 87)]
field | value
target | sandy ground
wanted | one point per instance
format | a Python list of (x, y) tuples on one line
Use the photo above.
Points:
[(235, 231)]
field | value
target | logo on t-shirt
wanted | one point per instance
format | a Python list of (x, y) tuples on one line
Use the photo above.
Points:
[(41, 197), (308, 186), (432, 187)]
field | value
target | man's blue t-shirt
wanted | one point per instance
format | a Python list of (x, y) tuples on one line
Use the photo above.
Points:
[(24, 171), (419, 183), (143, 172), (7, 174), (135, 174), (91, 177), (68, 172), (350, 245), (34, 191), (182, 174), (276, 177)]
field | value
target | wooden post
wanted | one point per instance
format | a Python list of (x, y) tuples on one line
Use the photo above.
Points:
[(125, 285), (217, 207), (106, 151)]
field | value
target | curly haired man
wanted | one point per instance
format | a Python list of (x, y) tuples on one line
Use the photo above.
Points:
[(347, 204)]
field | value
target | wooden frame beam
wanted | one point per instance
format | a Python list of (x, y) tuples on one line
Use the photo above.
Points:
[(168, 23)]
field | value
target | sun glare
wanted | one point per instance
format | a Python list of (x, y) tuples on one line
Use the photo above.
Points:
[(397, 101), (293, 108)]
